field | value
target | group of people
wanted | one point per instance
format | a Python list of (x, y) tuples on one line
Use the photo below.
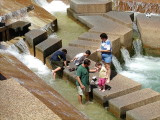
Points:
[(82, 67)]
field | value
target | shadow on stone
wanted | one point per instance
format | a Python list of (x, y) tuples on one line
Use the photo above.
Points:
[(2, 77)]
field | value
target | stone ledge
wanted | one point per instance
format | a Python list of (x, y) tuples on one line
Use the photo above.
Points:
[(118, 86), (90, 6), (120, 105), (33, 38), (147, 112), (47, 47)]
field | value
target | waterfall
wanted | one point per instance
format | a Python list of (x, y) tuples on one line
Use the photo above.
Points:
[(13, 48), (125, 55), (116, 64), (137, 44), (22, 46)]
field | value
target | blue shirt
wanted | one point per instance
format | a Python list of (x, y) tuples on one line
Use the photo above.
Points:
[(58, 56), (106, 46)]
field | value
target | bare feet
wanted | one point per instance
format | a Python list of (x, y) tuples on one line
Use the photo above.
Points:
[(103, 90)]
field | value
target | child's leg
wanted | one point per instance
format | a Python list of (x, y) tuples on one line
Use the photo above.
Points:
[(100, 83), (103, 84), (103, 88)]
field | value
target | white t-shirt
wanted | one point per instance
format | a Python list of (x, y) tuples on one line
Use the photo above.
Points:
[(79, 58)]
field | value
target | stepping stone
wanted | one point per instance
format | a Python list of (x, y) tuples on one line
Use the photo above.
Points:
[(147, 112), (90, 6), (47, 47), (85, 44), (18, 103), (150, 33), (119, 106), (100, 24), (72, 13), (94, 37), (119, 85), (124, 18), (33, 38)]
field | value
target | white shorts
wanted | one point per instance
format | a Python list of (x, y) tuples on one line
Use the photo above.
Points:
[(81, 91)]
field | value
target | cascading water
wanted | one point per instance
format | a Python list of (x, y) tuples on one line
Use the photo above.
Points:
[(137, 44), (143, 69), (116, 64), (125, 55)]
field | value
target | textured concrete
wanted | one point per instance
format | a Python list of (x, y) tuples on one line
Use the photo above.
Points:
[(147, 112), (90, 6), (17, 103), (95, 37), (12, 67), (33, 38), (100, 24), (150, 33), (47, 47), (119, 85), (143, 6), (124, 18), (119, 106)]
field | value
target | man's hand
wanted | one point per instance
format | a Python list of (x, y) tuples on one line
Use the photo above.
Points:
[(83, 87)]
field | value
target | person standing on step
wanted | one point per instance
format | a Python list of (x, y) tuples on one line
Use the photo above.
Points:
[(79, 58), (106, 53), (82, 81), (103, 77), (58, 59)]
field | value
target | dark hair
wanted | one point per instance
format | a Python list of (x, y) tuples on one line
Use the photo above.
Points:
[(64, 50), (98, 64), (87, 62), (103, 35), (88, 52)]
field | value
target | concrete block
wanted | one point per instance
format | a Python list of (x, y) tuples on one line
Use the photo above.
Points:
[(33, 38), (100, 24), (119, 106), (47, 47), (118, 86), (90, 6), (150, 33), (123, 18), (147, 112)]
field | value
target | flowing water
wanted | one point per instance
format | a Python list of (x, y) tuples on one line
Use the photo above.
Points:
[(143, 69)]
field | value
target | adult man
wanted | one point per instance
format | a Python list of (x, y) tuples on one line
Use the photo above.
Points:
[(106, 53), (79, 58), (83, 80), (58, 59)]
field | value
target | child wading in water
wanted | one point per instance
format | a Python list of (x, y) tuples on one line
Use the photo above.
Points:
[(103, 77)]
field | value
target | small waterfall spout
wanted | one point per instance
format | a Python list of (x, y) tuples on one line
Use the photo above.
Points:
[(22, 46), (116, 64), (137, 44), (125, 55)]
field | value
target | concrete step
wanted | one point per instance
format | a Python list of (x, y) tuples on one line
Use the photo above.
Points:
[(124, 18), (90, 6), (85, 44), (147, 112), (118, 106), (95, 37), (118, 86), (72, 13), (47, 47), (100, 24), (33, 38), (18, 103)]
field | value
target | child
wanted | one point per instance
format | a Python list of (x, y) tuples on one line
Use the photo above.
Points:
[(102, 76)]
